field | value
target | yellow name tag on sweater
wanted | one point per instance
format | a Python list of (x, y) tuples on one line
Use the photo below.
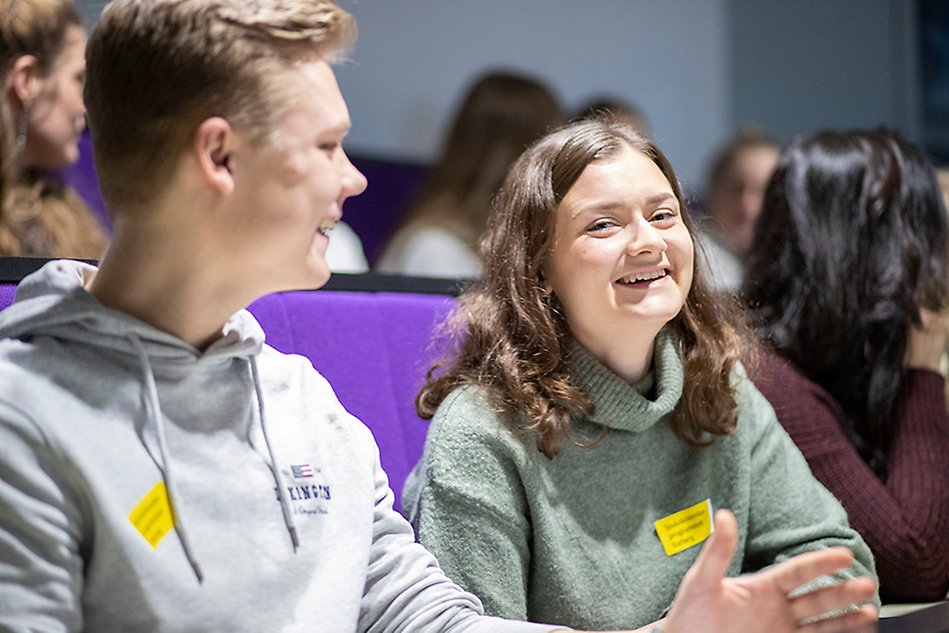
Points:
[(685, 528), (152, 516)]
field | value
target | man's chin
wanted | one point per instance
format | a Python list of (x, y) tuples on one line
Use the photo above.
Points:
[(312, 281), (318, 278)]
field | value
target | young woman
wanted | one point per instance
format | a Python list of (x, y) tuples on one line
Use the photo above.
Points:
[(597, 412), (42, 66), (848, 276)]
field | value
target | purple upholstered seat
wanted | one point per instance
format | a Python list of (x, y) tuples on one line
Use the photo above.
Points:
[(373, 347), (7, 290)]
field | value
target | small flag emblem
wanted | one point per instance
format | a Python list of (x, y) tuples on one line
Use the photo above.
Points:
[(302, 471)]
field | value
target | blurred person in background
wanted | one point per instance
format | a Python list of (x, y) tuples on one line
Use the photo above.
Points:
[(501, 114), (42, 61), (847, 278), (736, 182), (344, 253), (615, 107)]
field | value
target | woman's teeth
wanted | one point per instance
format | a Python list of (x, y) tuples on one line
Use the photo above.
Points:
[(632, 279)]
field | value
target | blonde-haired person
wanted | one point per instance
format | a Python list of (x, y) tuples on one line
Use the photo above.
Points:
[(42, 66), (163, 469), (596, 397)]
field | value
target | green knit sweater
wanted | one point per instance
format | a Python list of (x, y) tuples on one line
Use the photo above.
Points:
[(572, 540)]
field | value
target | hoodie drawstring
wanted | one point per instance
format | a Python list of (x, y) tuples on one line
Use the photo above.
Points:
[(153, 409), (274, 467)]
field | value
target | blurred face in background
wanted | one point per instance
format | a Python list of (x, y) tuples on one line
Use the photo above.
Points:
[(56, 114), (735, 200)]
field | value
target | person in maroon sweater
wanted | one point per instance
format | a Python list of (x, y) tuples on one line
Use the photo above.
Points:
[(847, 276)]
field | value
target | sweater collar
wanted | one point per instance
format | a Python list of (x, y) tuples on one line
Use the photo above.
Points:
[(625, 407)]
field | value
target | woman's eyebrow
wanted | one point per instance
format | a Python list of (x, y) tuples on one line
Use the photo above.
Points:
[(608, 205)]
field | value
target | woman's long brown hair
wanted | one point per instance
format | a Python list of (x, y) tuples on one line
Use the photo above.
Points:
[(512, 336)]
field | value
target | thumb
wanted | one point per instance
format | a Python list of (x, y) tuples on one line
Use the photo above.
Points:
[(716, 554)]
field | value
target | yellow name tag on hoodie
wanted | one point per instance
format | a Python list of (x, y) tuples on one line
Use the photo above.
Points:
[(685, 528), (152, 516)]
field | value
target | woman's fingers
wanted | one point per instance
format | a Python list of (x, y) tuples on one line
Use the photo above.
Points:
[(862, 620), (842, 595), (716, 555), (804, 568)]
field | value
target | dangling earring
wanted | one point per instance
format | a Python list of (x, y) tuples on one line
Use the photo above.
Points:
[(21, 129)]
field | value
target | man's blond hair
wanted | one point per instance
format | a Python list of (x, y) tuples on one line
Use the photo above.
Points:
[(157, 68)]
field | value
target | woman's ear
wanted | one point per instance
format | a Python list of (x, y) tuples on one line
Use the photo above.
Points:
[(543, 284), (214, 144), (25, 78)]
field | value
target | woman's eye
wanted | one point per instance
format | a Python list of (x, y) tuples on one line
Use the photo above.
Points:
[(328, 147), (601, 225), (663, 215)]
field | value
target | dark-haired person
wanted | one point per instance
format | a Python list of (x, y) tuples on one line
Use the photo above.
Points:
[(847, 277), (42, 65), (597, 412), (148, 433)]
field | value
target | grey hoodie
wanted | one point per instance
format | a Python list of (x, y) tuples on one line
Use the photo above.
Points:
[(149, 486)]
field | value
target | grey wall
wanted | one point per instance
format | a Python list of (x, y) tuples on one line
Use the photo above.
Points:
[(699, 69), (90, 10), (807, 64), (414, 58)]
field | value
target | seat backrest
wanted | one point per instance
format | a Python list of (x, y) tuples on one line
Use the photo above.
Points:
[(7, 290), (374, 348)]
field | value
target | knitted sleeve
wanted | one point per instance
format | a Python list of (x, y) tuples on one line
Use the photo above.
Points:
[(405, 590), (472, 512), (904, 519), (790, 511)]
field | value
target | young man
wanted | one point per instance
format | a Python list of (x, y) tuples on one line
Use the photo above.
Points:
[(148, 432)]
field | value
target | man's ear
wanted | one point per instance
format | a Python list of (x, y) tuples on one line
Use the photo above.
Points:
[(24, 81), (214, 144)]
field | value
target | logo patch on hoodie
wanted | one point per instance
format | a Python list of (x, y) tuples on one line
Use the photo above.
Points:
[(152, 515), (307, 490)]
